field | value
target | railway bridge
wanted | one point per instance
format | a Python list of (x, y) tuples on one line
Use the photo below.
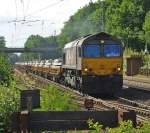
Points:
[(27, 50)]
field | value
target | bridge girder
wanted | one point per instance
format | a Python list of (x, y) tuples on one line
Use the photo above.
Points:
[(27, 50)]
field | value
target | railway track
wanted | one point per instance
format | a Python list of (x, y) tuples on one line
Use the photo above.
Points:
[(119, 103), (125, 104)]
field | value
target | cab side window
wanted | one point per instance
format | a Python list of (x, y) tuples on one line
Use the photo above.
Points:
[(64, 58), (79, 51)]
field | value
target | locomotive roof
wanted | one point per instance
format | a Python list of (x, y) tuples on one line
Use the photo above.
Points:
[(101, 35)]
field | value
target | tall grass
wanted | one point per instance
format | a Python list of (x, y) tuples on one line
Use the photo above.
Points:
[(53, 99)]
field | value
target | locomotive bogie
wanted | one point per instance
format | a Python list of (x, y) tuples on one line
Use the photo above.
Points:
[(102, 85), (71, 78)]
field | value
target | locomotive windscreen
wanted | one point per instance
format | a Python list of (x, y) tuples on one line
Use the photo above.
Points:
[(91, 50), (112, 50)]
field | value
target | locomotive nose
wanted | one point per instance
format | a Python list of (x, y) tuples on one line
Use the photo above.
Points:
[(101, 66)]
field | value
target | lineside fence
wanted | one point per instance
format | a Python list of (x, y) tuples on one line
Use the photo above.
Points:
[(27, 121)]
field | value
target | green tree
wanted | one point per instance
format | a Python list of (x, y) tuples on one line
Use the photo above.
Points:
[(125, 18), (79, 24), (122, 18), (146, 5), (2, 42), (5, 71), (36, 41), (9, 103), (5, 68), (146, 27)]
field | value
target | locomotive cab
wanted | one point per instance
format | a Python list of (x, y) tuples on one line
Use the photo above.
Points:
[(102, 65)]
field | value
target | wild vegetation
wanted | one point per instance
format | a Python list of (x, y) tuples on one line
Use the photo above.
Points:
[(2, 41), (53, 99), (124, 127), (9, 103), (9, 96), (6, 74), (146, 27)]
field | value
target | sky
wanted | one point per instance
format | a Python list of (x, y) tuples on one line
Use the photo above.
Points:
[(21, 18)]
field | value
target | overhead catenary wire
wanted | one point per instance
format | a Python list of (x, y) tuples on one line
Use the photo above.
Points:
[(44, 8), (25, 20)]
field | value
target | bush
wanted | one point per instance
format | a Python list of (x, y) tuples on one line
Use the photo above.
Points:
[(9, 103), (124, 127), (6, 75)]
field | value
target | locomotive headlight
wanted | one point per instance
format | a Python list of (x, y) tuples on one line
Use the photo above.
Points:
[(102, 41), (118, 69), (85, 69)]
